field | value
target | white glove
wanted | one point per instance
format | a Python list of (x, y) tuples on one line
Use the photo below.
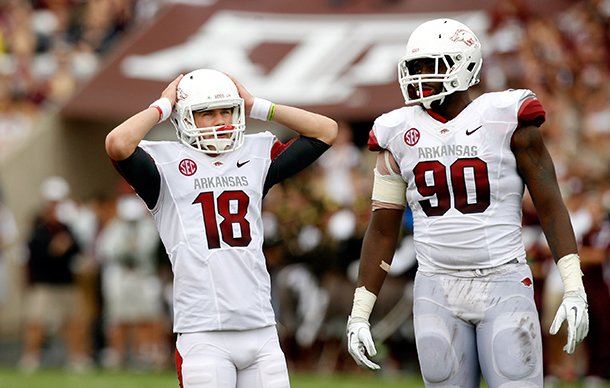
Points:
[(359, 338), (573, 309)]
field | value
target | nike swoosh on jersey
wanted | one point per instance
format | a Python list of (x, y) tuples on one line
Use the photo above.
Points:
[(241, 164), (470, 132)]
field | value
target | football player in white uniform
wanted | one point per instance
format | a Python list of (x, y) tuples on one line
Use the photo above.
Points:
[(205, 194), (462, 166)]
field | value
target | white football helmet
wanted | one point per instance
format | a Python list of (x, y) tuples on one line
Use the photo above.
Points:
[(206, 89), (444, 41)]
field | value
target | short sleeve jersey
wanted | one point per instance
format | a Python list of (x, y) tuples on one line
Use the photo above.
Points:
[(209, 218), (463, 186)]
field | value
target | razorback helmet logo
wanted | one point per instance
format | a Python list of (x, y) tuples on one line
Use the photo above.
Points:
[(464, 36), (180, 94)]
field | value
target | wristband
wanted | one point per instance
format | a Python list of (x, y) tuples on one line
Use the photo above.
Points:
[(262, 109), (364, 300), (164, 107), (569, 269)]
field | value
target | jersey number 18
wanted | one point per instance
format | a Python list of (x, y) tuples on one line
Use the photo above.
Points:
[(232, 206)]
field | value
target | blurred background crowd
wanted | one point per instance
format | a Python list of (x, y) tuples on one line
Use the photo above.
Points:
[(105, 299)]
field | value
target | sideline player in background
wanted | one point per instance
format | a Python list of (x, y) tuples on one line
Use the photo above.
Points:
[(462, 166), (205, 193)]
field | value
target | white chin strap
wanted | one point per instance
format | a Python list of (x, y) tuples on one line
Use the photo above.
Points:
[(428, 103), (425, 101), (217, 145)]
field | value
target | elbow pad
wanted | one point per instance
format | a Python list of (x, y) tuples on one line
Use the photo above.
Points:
[(389, 189)]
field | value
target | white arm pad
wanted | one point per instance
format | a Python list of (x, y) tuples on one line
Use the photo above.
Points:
[(364, 300), (389, 189), (569, 269)]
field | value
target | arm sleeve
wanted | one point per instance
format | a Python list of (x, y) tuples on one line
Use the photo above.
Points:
[(140, 171), (299, 153)]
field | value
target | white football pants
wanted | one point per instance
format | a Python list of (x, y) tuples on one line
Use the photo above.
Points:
[(231, 359), (481, 321)]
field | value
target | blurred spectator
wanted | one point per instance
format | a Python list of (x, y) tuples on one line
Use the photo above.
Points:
[(52, 298), (339, 167), (15, 123), (595, 255), (8, 235), (62, 83), (127, 248), (559, 366), (302, 307), (48, 47)]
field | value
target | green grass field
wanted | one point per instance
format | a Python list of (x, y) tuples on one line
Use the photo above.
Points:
[(52, 378)]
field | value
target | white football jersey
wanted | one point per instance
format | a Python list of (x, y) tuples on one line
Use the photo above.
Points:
[(209, 218), (462, 181)]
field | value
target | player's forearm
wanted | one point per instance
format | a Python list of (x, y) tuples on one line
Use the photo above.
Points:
[(306, 123), (552, 212), (558, 231), (122, 141), (378, 248), (557, 228)]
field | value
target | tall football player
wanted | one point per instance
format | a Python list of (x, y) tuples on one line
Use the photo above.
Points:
[(205, 194), (462, 165)]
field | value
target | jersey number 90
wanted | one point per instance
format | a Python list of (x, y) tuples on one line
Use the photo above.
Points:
[(466, 174)]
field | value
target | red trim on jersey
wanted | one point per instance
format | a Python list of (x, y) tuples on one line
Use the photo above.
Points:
[(436, 116), (531, 112), (279, 147), (372, 143), (179, 367)]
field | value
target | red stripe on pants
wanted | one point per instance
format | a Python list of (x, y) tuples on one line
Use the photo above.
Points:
[(179, 367)]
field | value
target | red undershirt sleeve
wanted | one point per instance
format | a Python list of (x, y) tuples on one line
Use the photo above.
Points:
[(372, 142), (531, 112)]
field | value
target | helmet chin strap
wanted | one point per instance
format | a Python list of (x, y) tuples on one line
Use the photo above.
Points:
[(428, 104), (219, 145)]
